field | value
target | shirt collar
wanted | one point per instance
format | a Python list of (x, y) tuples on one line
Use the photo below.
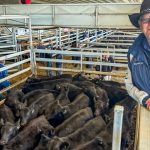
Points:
[(145, 44)]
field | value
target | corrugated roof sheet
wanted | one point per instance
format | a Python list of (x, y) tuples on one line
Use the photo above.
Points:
[(71, 1)]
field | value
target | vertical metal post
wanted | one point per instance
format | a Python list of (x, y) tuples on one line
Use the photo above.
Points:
[(14, 38), (96, 16), (56, 34), (69, 38), (101, 61), (32, 54), (59, 37), (15, 43), (39, 35), (53, 14), (81, 61), (117, 127), (88, 38), (77, 37), (95, 35)]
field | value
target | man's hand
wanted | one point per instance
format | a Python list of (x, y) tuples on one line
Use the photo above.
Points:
[(148, 104)]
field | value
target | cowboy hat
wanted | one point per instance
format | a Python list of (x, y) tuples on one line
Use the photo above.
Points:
[(145, 8)]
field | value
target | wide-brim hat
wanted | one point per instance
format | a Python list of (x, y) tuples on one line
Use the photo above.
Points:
[(145, 8)]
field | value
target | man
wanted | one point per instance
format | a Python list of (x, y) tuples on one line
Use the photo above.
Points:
[(41, 46), (77, 58), (49, 64), (138, 79), (58, 64), (5, 83), (104, 68), (50, 45)]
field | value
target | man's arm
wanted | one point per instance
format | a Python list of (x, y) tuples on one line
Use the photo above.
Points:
[(140, 96)]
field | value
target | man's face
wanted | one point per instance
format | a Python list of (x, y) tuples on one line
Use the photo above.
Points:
[(145, 25)]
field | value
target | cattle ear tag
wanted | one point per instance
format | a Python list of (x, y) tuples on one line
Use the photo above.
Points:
[(38, 129), (99, 140), (18, 123), (32, 111)]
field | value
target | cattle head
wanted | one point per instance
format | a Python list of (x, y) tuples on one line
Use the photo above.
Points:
[(100, 143), (46, 129), (13, 101), (43, 142), (63, 95), (79, 77), (101, 101), (26, 114), (15, 95), (8, 131), (58, 87), (99, 107), (66, 111), (57, 143)]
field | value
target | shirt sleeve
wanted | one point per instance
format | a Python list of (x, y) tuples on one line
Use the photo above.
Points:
[(133, 91)]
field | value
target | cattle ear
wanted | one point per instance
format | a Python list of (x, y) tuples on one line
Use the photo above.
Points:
[(25, 103), (2, 122), (17, 114), (20, 94), (51, 131), (66, 88)]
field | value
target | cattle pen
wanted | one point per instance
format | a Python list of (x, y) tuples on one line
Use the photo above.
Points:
[(81, 46)]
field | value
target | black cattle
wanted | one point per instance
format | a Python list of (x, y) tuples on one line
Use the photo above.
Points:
[(14, 95), (29, 137), (98, 96), (8, 131), (101, 101), (42, 145), (32, 96), (32, 79), (128, 103), (36, 108), (101, 142), (79, 77), (13, 101), (76, 121), (63, 94), (115, 93), (51, 84), (72, 90), (80, 102), (64, 112), (87, 86), (95, 144), (109, 83), (80, 136), (7, 123), (6, 115), (55, 111), (57, 143)]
